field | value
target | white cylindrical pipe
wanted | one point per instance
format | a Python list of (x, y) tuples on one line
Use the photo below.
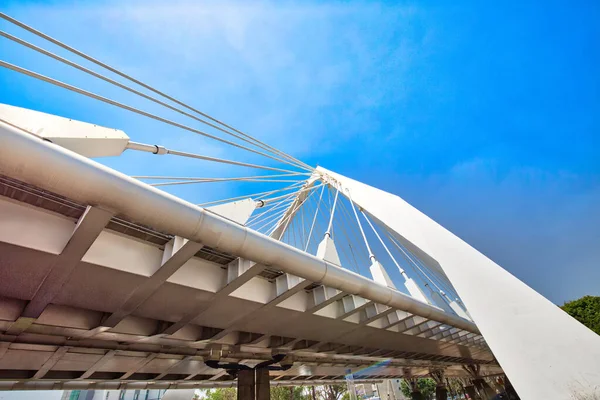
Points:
[(51, 167)]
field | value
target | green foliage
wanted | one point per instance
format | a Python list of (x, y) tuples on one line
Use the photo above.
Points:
[(426, 387), (222, 394), (277, 393), (327, 392), (585, 310), (284, 393), (455, 386)]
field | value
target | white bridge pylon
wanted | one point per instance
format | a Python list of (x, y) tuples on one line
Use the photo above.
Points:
[(546, 353)]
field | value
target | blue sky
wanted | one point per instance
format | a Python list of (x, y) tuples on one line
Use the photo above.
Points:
[(486, 117)]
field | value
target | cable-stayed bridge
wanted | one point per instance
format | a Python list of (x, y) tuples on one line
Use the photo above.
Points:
[(298, 276)]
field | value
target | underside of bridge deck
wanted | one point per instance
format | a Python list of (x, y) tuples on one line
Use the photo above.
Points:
[(89, 296)]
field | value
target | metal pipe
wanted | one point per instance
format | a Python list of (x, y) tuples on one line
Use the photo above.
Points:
[(170, 385), (51, 167), (148, 148)]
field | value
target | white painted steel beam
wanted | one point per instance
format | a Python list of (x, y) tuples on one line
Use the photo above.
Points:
[(284, 221), (181, 385), (239, 272), (143, 362), (286, 286), (54, 168), (89, 226), (98, 364), (51, 362), (324, 296), (176, 254), (174, 366), (81, 137)]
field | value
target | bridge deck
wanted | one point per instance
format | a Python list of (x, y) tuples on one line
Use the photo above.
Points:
[(90, 296)]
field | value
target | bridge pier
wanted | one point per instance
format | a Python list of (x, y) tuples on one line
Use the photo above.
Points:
[(253, 384), (470, 389), (484, 388), (415, 393), (263, 384), (245, 385), (441, 392)]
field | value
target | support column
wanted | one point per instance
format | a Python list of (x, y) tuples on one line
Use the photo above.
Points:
[(245, 385), (415, 393), (263, 384), (470, 389), (484, 388), (441, 392)]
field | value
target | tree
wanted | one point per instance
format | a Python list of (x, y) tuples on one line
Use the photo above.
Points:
[(329, 392), (284, 392), (426, 387), (585, 310), (221, 394)]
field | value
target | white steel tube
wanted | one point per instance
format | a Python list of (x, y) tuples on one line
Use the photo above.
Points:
[(51, 167)]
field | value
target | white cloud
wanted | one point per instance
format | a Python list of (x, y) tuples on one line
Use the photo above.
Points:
[(278, 71)]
